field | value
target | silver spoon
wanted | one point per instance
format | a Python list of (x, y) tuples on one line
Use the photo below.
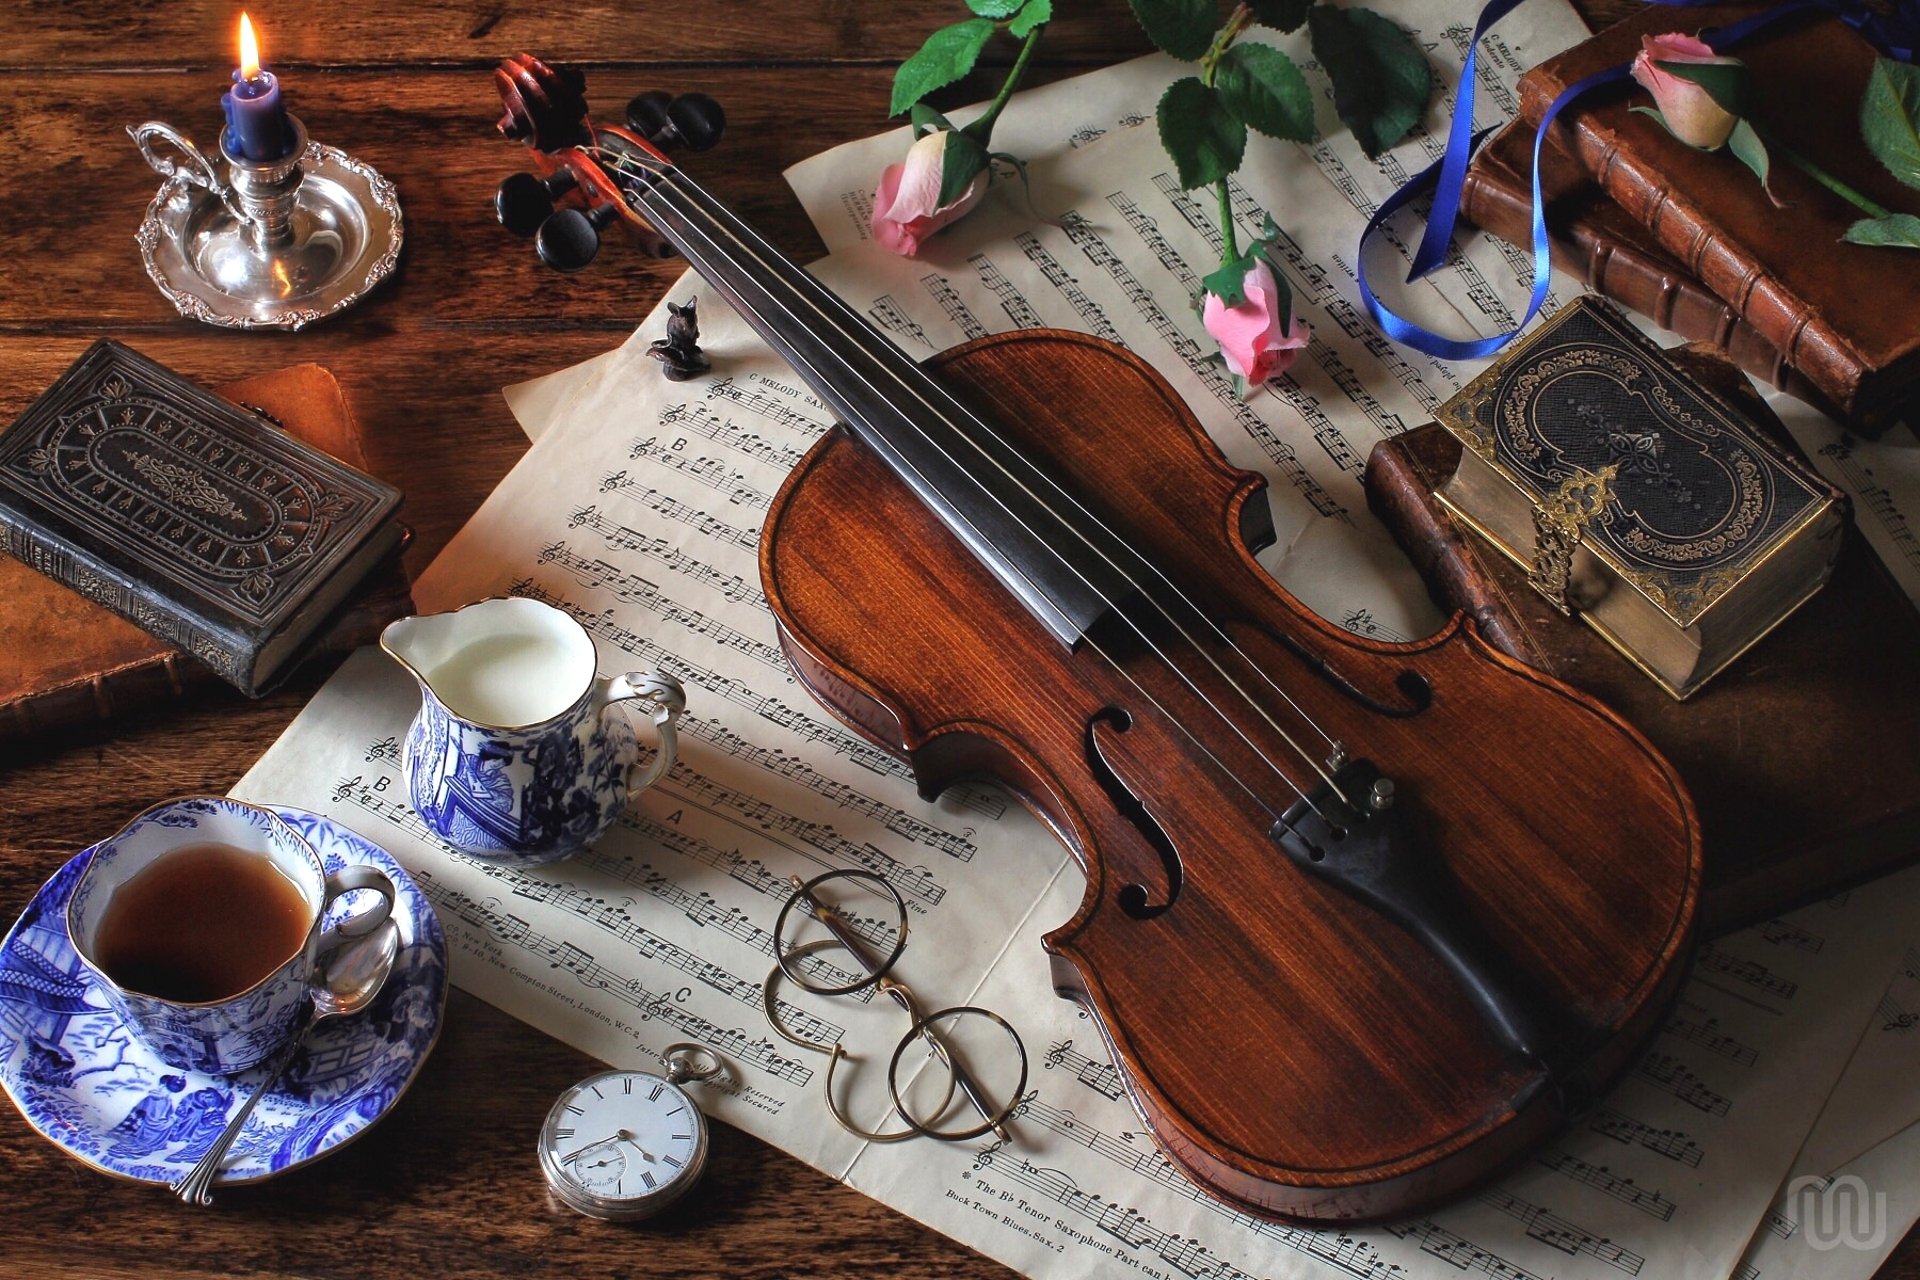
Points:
[(353, 977)]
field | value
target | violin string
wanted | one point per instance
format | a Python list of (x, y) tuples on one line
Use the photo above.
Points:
[(738, 231), (720, 220), (1141, 689), (690, 216)]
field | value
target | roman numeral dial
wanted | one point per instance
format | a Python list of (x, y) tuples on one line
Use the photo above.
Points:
[(623, 1145)]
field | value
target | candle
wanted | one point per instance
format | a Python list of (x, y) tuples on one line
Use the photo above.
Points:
[(256, 116)]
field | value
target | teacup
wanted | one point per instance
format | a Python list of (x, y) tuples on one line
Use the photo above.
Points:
[(201, 920)]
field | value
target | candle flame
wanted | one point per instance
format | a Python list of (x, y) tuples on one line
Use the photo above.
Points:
[(249, 50)]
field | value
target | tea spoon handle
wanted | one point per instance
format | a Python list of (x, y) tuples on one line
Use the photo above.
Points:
[(196, 1186)]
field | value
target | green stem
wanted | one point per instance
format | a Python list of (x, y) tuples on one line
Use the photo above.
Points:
[(1238, 21), (982, 129), (1825, 179), (1229, 241)]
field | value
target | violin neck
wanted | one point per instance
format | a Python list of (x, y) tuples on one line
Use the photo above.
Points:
[(1056, 559)]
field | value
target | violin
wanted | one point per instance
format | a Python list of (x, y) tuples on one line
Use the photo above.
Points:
[(1364, 922)]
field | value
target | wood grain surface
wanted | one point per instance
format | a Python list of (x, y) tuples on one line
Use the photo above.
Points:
[(446, 1186)]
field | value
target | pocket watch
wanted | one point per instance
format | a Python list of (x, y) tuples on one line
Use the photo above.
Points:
[(623, 1145)]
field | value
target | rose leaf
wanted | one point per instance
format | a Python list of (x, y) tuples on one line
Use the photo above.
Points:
[(1205, 139), (1890, 118), (1183, 28), (1381, 80), (1261, 85), (948, 54)]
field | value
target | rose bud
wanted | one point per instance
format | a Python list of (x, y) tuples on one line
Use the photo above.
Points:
[(1250, 335), (1688, 109), (907, 208)]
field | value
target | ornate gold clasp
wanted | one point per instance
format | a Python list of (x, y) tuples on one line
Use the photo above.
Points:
[(1559, 523)]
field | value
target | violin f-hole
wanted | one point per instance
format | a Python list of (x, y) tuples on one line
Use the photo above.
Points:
[(1135, 899)]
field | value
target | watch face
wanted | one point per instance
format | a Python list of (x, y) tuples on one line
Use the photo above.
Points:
[(623, 1144)]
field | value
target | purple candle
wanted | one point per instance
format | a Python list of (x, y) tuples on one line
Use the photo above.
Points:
[(256, 117)]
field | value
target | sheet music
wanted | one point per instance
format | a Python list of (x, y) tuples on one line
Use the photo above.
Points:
[(1320, 193), (637, 510), (1878, 1095), (1883, 477), (1842, 1226), (1854, 1190)]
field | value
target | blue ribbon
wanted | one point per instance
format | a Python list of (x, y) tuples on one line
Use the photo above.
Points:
[(1897, 34)]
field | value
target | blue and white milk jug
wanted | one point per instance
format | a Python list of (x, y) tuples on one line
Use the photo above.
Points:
[(517, 755)]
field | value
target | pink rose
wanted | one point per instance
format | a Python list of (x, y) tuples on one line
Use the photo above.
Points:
[(1249, 334), (1688, 109), (907, 208)]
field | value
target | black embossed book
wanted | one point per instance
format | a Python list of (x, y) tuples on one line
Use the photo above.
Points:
[(186, 514), (1636, 497)]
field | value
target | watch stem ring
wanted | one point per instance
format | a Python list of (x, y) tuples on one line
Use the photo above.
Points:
[(689, 1063)]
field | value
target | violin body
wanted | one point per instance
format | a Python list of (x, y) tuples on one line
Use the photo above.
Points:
[(1293, 1049)]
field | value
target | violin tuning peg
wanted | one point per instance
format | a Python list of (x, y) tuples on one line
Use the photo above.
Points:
[(569, 239), (692, 120), (647, 114), (698, 119), (524, 200)]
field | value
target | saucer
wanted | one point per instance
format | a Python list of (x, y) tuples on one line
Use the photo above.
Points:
[(204, 261), (86, 1083)]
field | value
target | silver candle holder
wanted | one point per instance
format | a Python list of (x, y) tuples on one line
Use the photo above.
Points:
[(268, 243)]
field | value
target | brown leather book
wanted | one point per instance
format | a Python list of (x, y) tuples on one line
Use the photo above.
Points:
[(1593, 238), (1841, 314), (1803, 757), (65, 659)]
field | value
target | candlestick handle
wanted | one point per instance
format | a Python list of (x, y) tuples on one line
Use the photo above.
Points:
[(198, 171)]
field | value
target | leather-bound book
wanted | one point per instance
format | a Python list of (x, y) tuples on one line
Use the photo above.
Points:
[(1841, 314), (187, 515), (66, 660), (1593, 239), (1803, 757), (1639, 497)]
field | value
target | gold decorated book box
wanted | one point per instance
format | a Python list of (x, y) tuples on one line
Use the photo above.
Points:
[(1636, 498)]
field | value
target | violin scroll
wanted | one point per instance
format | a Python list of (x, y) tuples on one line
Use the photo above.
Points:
[(543, 106)]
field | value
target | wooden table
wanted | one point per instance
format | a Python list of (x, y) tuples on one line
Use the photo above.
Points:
[(446, 1186)]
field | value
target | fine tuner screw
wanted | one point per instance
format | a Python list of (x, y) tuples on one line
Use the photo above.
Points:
[(569, 239), (691, 120), (524, 200)]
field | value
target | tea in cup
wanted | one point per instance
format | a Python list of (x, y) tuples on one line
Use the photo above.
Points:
[(201, 921)]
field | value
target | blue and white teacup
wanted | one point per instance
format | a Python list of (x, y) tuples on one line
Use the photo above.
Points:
[(237, 1031)]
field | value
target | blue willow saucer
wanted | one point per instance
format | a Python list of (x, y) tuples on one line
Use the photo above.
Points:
[(82, 1079)]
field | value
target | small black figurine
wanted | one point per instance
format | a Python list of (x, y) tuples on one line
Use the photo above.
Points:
[(679, 352)]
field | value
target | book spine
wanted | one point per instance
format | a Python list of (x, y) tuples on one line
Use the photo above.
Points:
[(1401, 495), (1645, 284), (227, 655), (100, 696), (1796, 330)]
